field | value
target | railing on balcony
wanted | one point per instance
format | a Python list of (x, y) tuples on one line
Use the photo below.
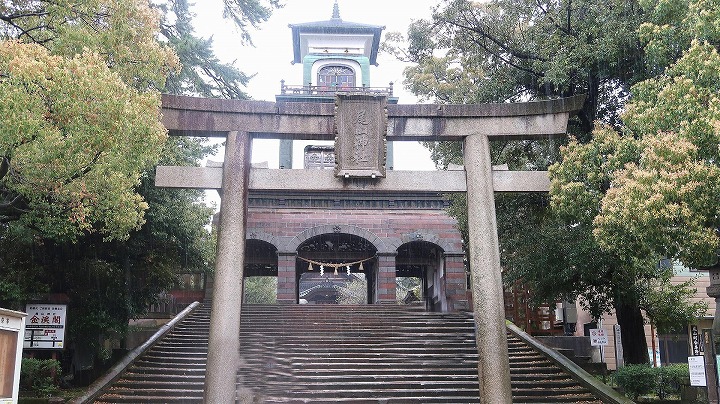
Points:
[(331, 90), (164, 305)]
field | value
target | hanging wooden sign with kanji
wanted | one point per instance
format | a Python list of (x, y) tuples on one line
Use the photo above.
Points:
[(361, 127)]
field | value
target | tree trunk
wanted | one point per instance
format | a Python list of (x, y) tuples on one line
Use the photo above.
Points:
[(632, 326)]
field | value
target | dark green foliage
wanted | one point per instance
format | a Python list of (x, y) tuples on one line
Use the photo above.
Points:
[(636, 380), (110, 282), (671, 378), (643, 379), (509, 50), (260, 290), (39, 376), (248, 13)]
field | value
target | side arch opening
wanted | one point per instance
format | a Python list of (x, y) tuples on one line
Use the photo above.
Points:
[(420, 274), (260, 273)]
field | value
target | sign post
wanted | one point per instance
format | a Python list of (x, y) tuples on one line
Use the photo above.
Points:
[(12, 326), (619, 354), (696, 342), (598, 337), (710, 372)]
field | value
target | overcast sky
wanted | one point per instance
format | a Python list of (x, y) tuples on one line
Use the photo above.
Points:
[(270, 59)]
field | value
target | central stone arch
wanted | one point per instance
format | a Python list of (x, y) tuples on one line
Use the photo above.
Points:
[(300, 258), (336, 268), (294, 243)]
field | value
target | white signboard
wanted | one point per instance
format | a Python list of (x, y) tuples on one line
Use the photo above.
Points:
[(598, 337), (11, 331), (45, 326), (697, 371)]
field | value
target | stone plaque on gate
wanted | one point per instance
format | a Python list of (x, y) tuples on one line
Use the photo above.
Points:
[(360, 127)]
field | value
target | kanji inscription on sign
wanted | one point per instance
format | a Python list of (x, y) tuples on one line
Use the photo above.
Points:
[(45, 326), (361, 127)]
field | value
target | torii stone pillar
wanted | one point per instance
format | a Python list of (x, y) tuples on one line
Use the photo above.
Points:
[(224, 343), (473, 124), (489, 310)]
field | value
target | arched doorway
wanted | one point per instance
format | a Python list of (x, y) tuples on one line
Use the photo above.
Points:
[(260, 273), (336, 268), (419, 275)]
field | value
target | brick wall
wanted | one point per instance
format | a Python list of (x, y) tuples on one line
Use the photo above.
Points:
[(386, 229), (392, 227)]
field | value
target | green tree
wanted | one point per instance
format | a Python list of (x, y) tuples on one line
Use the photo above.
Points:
[(649, 191), (92, 70), (202, 73), (260, 290), (79, 116), (670, 190), (512, 50), (110, 281)]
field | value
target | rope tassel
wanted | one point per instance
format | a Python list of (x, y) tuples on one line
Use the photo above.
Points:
[(347, 265)]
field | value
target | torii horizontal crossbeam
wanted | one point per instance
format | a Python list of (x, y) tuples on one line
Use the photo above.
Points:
[(190, 116), (324, 180)]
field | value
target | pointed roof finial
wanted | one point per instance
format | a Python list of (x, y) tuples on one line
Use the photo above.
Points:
[(336, 11)]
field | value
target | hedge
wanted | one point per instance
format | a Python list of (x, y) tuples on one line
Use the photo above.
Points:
[(638, 380)]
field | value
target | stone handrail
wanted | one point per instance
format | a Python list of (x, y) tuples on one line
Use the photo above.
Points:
[(606, 393), (96, 388)]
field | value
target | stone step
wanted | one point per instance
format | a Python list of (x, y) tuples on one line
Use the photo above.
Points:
[(543, 391), (170, 348), (370, 368), (189, 377), (354, 344), (571, 398), (420, 393), (288, 330), (122, 394), (144, 363), (330, 354), (357, 353)]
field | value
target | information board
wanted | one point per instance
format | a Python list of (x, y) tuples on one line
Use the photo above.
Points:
[(45, 326), (598, 337), (696, 364)]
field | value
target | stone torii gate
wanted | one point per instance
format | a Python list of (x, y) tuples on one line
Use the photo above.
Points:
[(360, 124)]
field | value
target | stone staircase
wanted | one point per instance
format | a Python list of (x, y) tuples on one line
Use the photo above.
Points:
[(330, 354)]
